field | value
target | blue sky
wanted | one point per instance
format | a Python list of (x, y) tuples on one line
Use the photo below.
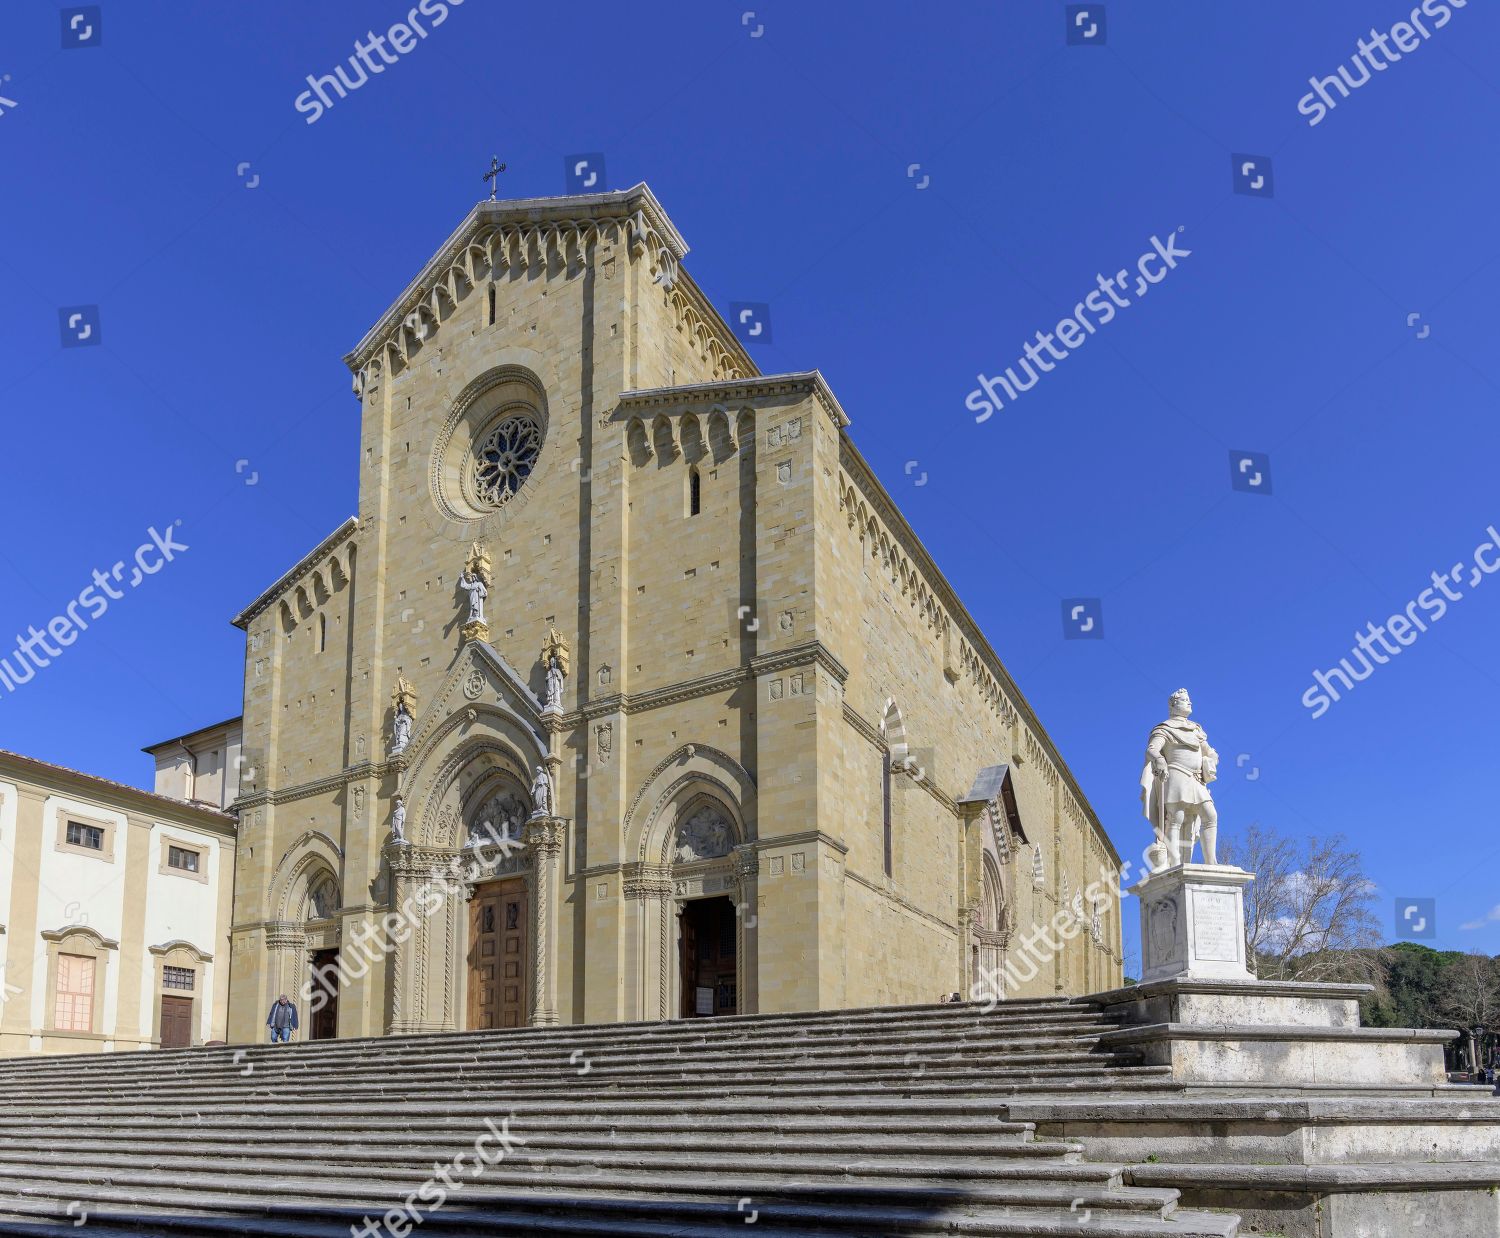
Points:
[(235, 252)]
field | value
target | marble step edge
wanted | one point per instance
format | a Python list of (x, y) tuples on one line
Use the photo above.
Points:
[(1322, 1179), (25, 1220), (959, 1151), (1308, 1110), (1101, 1190), (832, 1126), (1276, 1031)]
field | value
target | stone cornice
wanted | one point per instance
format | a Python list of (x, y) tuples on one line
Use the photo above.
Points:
[(707, 685), (304, 564), (650, 401)]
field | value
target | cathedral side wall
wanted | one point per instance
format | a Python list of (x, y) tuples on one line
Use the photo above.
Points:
[(913, 681)]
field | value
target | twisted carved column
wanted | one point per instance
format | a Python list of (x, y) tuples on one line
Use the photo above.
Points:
[(544, 836)]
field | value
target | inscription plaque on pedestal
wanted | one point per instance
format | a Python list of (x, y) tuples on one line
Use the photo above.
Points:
[(1193, 922), (1219, 928)]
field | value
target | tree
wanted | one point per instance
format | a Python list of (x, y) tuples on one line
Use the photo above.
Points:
[(1307, 912)]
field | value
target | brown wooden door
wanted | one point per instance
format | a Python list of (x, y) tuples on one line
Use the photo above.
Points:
[(709, 948), (499, 957), (176, 1022), (323, 1015)]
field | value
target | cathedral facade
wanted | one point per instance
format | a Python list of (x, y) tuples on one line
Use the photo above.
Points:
[(628, 693)]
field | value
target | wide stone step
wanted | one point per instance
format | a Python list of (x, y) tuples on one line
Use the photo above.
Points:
[(685, 1083), (1006, 1155), (851, 1127), (999, 1181), (360, 1101), (525, 1041), (857, 1209), (1148, 1081), (848, 1025), (129, 1070), (571, 1218)]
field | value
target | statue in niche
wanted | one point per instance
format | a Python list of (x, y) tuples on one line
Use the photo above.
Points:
[(475, 581), (541, 793), (405, 700), (398, 821), (554, 682), (477, 591), (703, 836)]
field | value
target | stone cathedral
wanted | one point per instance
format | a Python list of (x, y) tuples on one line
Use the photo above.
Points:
[(629, 693)]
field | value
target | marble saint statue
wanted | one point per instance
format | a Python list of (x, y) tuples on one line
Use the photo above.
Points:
[(474, 586), (554, 682), (541, 793)]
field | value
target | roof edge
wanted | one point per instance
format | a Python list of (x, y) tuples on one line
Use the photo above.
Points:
[(738, 388), (617, 204), (242, 620), (120, 791)]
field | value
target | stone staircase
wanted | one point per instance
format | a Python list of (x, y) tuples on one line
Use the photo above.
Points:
[(872, 1122)]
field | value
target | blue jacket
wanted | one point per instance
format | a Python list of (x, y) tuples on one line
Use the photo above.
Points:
[(282, 1016)]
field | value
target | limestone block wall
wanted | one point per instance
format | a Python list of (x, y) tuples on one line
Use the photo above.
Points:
[(918, 686)]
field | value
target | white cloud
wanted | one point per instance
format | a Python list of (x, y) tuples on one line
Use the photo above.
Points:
[(1493, 917)]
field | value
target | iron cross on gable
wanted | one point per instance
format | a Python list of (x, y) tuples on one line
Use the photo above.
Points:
[(493, 175)]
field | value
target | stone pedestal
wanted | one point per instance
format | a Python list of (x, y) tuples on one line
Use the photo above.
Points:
[(1193, 923)]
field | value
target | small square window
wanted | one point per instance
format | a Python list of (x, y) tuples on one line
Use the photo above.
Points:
[(178, 978), (90, 836), (181, 857)]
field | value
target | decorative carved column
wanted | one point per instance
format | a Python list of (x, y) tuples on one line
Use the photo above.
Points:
[(650, 885), (426, 944), (747, 928), (286, 943), (544, 836)]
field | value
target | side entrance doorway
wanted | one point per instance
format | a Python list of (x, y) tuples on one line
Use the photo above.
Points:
[(499, 980), (323, 996), (708, 940), (176, 1022)]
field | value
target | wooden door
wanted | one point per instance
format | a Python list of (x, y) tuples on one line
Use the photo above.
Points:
[(323, 1012), (176, 1022), (709, 963), (499, 956)]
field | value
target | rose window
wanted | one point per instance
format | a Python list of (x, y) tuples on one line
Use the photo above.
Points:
[(503, 460)]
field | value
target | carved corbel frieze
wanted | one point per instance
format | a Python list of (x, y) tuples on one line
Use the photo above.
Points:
[(642, 881)]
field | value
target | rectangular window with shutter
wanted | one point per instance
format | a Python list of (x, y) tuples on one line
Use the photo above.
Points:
[(74, 1010)]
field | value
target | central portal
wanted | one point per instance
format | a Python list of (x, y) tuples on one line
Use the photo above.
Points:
[(499, 982), (708, 942)]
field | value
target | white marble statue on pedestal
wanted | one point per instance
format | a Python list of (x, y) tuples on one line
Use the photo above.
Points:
[(398, 822), (1174, 787)]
